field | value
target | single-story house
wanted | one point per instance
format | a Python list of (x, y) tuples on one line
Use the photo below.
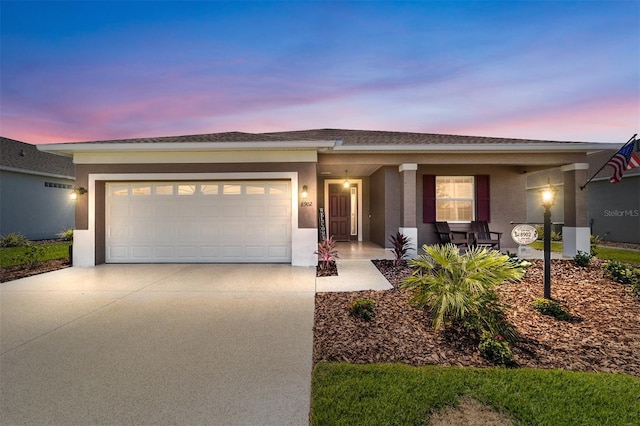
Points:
[(34, 191), (246, 197), (613, 212)]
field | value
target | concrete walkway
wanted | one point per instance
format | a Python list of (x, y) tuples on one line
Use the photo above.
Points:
[(356, 272), (158, 344)]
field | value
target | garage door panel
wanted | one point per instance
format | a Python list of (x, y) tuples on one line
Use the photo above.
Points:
[(141, 252), (278, 251), (118, 252), (198, 222), (209, 252)]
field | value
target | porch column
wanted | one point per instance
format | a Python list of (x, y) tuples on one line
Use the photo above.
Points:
[(408, 226), (575, 232)]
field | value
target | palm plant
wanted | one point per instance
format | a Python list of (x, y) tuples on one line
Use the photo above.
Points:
[(459, 288)]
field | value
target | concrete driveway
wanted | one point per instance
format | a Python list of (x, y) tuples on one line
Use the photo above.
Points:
[(158, 344)]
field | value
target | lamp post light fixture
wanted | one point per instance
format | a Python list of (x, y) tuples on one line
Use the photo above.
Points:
[(548, 197)]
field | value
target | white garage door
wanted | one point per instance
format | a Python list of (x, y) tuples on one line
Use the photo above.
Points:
[(162, 222)]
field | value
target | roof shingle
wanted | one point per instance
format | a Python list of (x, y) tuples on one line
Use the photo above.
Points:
[(27, 157)]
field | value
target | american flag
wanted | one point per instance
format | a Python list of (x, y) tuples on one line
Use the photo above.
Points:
[(626, 158)]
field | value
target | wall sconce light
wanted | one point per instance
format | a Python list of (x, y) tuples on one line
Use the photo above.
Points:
[(77, 191), (305, 192), (346, 179)]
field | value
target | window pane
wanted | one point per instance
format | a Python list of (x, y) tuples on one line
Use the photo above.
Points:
[(119, 190), (277, 189), (232, 190), (209, 189), (141, 190), (255, 190), (186, 189), (164, 189), (454, 210)]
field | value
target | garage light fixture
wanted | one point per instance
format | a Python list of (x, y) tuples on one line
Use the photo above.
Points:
[(305, 191), (77, 191)]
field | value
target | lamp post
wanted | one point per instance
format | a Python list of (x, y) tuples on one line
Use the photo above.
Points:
[(548, 196)]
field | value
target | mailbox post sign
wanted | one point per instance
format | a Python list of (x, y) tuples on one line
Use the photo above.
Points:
[(524, 234)]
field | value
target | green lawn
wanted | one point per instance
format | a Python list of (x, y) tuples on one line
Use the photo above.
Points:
[(16, 255), (604, 253), (555, 246), (396, 394)]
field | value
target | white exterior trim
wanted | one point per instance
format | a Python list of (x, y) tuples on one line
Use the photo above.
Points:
[(575, 239), (575, 166), (412, 233), (74, 148), (303, 241), (34, 173), (408, 166), (164, 157), (479, 147)]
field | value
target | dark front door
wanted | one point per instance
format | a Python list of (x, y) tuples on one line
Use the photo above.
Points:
[(339, 212)]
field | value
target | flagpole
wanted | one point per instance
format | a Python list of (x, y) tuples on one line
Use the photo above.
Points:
[(633, 138)]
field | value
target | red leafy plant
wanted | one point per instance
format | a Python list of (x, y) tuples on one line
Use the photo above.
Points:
[(326, 252)]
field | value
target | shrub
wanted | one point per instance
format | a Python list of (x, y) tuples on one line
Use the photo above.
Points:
[(66, 235), (551, 308), (594, 240), (401, 246), (624, 274), (13, 240), (496, 349), (363, 308), (582, 259), (556, 236), (460, 287), (326, 252), (32, 255)]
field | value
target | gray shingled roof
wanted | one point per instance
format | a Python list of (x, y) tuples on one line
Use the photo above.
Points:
[(23, 156), (372, 137), (209, 137), (349, 138)]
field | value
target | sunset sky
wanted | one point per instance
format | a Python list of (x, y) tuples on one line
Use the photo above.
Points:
[(558, 70)]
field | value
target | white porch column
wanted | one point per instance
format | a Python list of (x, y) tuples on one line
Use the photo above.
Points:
[(409, 222), (576, 235)]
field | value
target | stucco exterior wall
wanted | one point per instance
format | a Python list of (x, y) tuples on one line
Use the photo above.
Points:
[(386, 187), (614, 210), (32, 209), (377, 212), (508, 200)]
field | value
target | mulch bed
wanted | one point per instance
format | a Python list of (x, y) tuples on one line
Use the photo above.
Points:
[(331, 270), (11, 273), (604, 335)]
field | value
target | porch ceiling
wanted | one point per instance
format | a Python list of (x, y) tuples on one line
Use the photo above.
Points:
[(337, 171)]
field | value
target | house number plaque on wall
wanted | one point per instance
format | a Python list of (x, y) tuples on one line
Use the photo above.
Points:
[(524, 234)]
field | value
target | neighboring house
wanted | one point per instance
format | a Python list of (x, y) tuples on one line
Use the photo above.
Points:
[(34, 191), (240, 197), (613, 209)]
